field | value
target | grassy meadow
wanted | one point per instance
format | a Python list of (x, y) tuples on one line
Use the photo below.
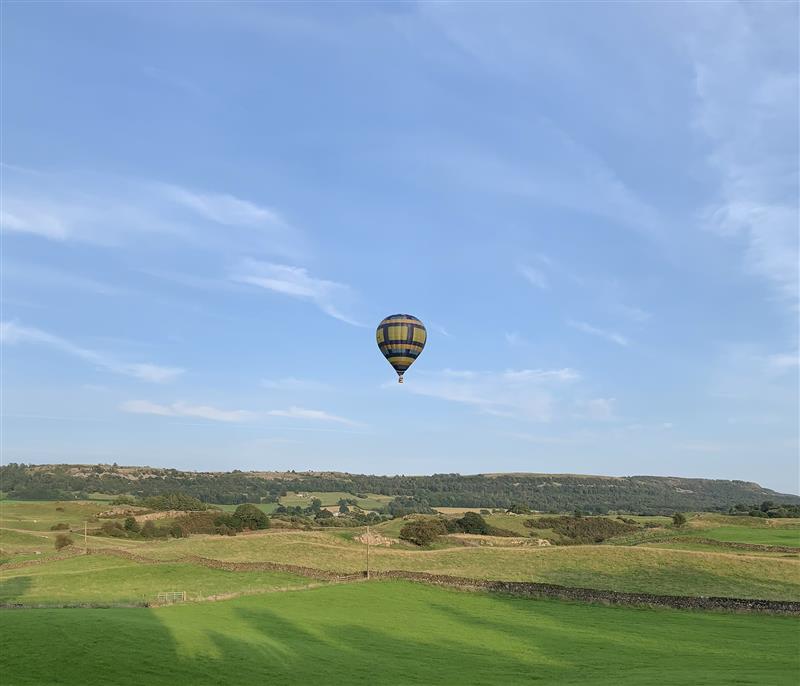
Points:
[(395, 633), (102, 579)]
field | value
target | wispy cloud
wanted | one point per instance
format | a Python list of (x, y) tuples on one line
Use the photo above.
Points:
[(524, 394), (314, 415), (747, 106), (225, 209), (535, 277), (635, 314), (597, 409), (329, 296), (113, 211), (180, 409), (12, 333), (612, 336), (290, 383)]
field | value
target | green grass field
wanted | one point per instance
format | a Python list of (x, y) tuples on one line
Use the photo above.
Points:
[(637, 569), (104, 579), (395, 633), (772, 535)]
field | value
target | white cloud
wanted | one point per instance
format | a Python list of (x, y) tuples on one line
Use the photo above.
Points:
[(290, 383), (113, 211), (612, 336), (535, 277), (225, 209), (314, 415), (296, 282), (745, 61), (12, 333), (528, 394), (180, 409)]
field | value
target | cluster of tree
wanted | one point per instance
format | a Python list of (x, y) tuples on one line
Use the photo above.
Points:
[(425, 530), (768, 508), (581, 530), (245, 516), (406, 505), (130, 528), (543, 493)]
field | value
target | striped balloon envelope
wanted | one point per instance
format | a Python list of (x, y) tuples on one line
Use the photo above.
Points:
[(401, 339)]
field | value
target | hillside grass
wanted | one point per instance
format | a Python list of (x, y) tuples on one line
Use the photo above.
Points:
[(619, 568), (388, 633), (104, 579)]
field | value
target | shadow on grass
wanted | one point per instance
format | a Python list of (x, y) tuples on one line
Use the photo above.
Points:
[(394, 633)]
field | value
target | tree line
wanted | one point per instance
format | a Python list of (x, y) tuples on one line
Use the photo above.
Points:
[(540, 492)]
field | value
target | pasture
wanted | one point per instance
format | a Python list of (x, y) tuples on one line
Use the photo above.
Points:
[(100, 579), (395, 633)]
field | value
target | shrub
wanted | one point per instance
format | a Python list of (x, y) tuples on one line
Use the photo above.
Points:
[(113, 528), (473, 523), (485, 512), (197, 523), (519, 508), (229, 521), (678, 520), (582, 529), (251, 517), (62, 541), (422, 531), (132, 525), (123, 500), (324, 514), (61, 526)]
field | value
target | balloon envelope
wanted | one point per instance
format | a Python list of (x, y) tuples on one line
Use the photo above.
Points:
[(401, 339)]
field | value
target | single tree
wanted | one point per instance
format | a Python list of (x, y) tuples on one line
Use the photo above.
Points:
[(251, 517), (678, 519)]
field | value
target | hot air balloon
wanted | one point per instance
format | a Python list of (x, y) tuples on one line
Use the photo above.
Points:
[(401, 339)]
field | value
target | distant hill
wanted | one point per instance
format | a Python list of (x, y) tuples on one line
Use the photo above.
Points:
[(544, 492)]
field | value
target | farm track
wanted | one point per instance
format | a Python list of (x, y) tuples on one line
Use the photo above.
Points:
[(516, 588)]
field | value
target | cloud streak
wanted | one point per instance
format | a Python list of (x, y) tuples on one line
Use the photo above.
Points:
[(528, 394), (180, 409), (12, 333), (295, 282), (612, 336)]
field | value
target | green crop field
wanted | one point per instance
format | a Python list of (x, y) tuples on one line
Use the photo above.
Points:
[(102, 579), (395, 633)]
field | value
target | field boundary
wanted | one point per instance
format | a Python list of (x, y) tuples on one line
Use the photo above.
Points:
[(516, 588)]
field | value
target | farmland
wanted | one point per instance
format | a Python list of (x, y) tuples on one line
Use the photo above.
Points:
[(397, 633), (286, 624)]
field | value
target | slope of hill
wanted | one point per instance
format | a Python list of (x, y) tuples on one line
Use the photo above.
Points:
[(557, 492)]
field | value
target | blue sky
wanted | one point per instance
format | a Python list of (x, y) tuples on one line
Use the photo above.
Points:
[(207, 208)]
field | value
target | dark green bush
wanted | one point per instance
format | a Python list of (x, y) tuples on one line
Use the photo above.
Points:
[(62, 541), (423, 531), (582, 529), (61, 526), (251, 517)]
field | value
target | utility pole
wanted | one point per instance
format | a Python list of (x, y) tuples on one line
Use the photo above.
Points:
[(85, 543), (368, 537)]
